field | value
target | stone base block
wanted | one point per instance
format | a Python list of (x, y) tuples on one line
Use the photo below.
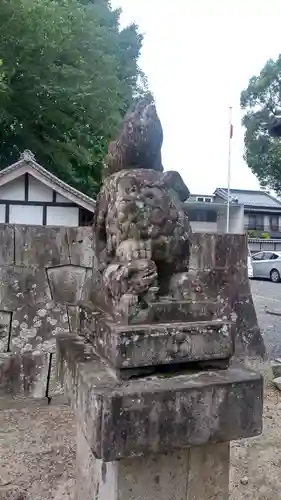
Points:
[(194, 474), (134, 346), (160, 413)]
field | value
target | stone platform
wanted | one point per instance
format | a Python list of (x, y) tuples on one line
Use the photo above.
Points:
[(129, 346), (157, 414), (180, 332)]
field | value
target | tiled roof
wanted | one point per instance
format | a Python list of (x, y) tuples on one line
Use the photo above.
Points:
[(250, 198)]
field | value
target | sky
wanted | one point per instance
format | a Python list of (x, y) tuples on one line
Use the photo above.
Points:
[(199, 55)]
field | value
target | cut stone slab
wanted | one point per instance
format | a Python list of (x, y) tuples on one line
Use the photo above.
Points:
[(37, 246), (10, 374), (277, 382), (163, 343), (66, 283), (11, 492), (218, 251), (5, 330), (7, 245), (80, 241), (276, 369), (23, 374), (156, 414)]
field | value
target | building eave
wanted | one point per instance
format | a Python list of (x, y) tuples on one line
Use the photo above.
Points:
[(261, 208), (209, 206), (222, 193)]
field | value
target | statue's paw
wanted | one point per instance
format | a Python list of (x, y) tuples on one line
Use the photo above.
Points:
[(152, 292), (145, 250), (130, 250), (128, 304)]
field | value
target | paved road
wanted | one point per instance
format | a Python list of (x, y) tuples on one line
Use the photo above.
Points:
[(267, 294)]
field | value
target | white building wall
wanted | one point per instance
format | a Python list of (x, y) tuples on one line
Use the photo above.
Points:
[(221, 221), (203, 227), (13, 190), (63, 216), (2, 213), (236, 220)]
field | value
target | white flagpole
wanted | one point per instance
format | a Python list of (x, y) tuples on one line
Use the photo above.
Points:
[(229, 170)]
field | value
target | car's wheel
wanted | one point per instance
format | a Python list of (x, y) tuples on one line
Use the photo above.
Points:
[(274, 276)]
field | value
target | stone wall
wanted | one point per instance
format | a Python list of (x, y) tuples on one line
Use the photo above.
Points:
[(218, 272), (44, 272)]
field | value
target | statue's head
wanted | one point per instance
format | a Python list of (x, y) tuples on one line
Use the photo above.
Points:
[(142, 126), (144, 110), (140, 141)]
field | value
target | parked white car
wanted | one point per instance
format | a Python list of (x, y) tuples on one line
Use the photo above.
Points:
[(267, 265), (250, 265)]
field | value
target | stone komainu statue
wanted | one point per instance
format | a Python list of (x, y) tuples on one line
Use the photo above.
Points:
[(141, 232)]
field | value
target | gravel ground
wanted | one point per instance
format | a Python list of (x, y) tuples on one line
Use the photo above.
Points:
[(255, 472), (38, 455)]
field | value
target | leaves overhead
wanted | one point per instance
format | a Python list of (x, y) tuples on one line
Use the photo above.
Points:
[(262, 102), (67, 77)]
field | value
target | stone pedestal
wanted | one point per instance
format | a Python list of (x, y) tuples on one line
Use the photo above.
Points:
[(164, 436), (200, 473)]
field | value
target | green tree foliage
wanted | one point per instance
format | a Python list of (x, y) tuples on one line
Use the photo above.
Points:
[(67, 77), (261, 102)]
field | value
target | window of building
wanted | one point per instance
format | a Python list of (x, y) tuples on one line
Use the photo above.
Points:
[(256, 222), (274, 222), (207, 199), (211, 216), (202, 215)]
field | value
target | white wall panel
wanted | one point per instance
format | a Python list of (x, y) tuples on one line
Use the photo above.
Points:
[(13, 190), (2, 213), (26, 214), (62, 199), (63, 216), (37, 191)]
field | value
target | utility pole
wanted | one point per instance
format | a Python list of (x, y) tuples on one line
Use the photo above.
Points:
[(229, 169)]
